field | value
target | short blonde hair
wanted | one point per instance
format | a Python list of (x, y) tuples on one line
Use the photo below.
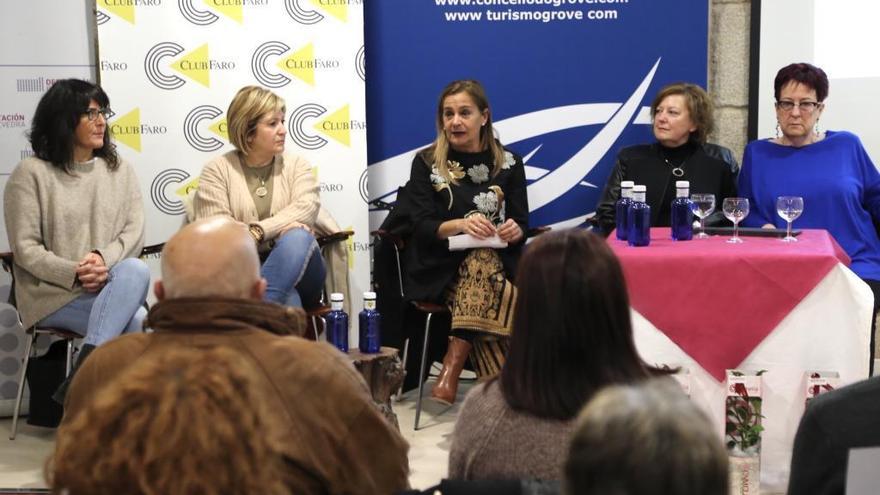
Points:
[(248, 105)]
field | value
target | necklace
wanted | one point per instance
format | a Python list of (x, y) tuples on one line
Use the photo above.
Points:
[(262, 191), (676, 171)]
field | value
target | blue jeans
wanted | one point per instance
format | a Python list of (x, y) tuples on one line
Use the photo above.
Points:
[(116, 309), (294, 270)]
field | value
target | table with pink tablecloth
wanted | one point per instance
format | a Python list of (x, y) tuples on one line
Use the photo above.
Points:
[(707, 306)]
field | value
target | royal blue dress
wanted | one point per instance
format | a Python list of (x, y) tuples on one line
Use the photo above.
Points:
[(839, 184)]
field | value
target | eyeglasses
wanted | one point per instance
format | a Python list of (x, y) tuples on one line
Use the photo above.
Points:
[(804, 106), (93, 113)]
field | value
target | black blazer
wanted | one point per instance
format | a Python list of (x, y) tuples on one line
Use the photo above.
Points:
[(711, 169)]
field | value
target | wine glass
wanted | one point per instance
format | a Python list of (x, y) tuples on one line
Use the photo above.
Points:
[(703, 206), (735, 209), (789, 208)]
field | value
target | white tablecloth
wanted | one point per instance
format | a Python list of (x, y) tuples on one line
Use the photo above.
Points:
[(828, 331)]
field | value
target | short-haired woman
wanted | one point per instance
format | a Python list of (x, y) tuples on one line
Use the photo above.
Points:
[(831, 170), (75, 223), (273, 192), (682, 116), (645, 439), (572, 336)]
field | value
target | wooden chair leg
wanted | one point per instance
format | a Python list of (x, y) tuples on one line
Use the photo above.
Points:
[(18, 396), (422, 369)]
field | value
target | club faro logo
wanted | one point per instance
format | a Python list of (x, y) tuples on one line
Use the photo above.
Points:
[(196, 65), (272, 59), (336, 125), (129, 129), (123, 9), (199, 123), (172, 177), (232, 9)]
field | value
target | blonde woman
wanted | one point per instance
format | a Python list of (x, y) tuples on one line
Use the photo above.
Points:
[(274, 193), (466, 182)]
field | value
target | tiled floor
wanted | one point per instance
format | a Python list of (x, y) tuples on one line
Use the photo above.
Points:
[(21, 460)]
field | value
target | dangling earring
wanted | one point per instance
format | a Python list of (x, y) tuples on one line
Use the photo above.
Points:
[(777, 129)]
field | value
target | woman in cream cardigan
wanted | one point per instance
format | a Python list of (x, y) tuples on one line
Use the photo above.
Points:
[(274, 193)]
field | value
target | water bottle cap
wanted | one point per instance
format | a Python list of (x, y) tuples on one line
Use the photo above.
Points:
[(369, 295), (627, 183), (639, 188), (682, 184), (337, 297)]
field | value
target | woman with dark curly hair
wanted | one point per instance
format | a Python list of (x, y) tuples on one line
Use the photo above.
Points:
[(682, 119), (189, 421), (75, 223)]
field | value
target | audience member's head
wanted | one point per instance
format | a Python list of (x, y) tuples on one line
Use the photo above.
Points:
[(187, 421), (645, 439), (571, 333), (213, 257)]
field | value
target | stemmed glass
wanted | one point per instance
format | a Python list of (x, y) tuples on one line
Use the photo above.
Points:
[(789, 208), (735, 209), (703, 206)]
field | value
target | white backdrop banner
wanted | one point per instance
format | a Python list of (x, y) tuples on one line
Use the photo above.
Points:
[(172, 67)]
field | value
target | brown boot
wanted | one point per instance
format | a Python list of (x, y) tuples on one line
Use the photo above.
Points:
[(447, 383)]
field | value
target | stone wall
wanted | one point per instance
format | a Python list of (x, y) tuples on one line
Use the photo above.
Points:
[(729, 71)]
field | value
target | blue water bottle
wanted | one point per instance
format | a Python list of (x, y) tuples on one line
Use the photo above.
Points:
[(682, 216), (621, 208), (369, 323), (639, 219), (337, 323)]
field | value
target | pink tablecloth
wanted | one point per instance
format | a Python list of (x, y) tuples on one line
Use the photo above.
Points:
[(717, 301)]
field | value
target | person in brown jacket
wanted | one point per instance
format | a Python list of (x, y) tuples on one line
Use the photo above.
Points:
[(335, 440)]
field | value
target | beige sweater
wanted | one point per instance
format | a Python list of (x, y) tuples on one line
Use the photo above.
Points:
[(223, 191), (491, 441), (53, 219)]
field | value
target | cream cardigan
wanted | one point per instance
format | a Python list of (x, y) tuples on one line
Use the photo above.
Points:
[(223, 191)]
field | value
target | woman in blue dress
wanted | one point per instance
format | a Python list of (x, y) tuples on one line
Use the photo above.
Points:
[(831, 170)]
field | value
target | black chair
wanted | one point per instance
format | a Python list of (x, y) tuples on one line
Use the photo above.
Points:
[(426, 308), (7, 258)]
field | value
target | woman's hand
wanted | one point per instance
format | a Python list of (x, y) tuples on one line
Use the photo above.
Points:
[(510, 232), (92, 272), (768, 226), (478, 226)]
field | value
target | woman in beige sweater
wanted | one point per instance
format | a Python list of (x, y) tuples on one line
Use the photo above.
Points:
[(274, 193), (75, 223)]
